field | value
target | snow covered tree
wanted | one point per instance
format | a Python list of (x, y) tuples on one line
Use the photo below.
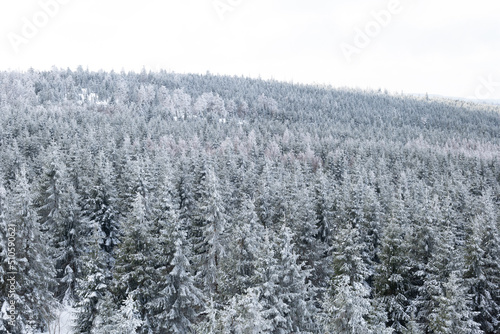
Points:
[(60, 214), (295, 288), (33, 280), (212, 221), (274, 308), (287, 297), (482, 272), (178, 304), (101, 232), (244, 314), (347, 307), (100, 208), (94, 284), (453, 314), (136, 268), (391, 279), (123, 320), (302, 219), (244, 250)]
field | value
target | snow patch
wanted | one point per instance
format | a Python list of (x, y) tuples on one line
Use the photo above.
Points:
[(64, 322)]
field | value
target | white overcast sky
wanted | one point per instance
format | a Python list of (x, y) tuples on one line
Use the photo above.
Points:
[(437, 46)]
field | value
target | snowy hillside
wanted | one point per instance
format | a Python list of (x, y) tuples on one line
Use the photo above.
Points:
[(167, 203)]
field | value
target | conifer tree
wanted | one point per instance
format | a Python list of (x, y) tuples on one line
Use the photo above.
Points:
[(101, 237), (347, 306), (210, 250), (60, 214), (244, 250), (453, 314), (180, 300), (34, 281), (391, 283), (135, 267), (481, 275)]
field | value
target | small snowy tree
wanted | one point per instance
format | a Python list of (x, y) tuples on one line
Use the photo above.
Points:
[(244, 314), (125, 320)]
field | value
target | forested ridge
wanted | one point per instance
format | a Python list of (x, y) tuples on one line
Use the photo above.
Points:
[(169, 203)]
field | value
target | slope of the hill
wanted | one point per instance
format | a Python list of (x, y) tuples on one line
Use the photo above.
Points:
[(167, 203)]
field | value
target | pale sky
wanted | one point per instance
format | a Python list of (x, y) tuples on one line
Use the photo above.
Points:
[(441, 47)]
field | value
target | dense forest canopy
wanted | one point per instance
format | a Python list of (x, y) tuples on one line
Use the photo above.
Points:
[(168, 203)]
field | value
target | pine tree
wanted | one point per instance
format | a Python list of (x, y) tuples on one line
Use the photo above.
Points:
[(445, 259), (391, 279), (302, 219), (100, 208), (180, 300), (94, 284), (274, 308), (212, 220), (134, 270), (244, 314), (244, 250), (287, 295), (166, 227), (482, 272), (453, 314), (295, 288), (60, 214), (101, 232), (34, 300), (346, 305), (125, 320)]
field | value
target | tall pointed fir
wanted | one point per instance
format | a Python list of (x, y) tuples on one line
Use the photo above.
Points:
[(287, 297), (347, 307), (34, 272), (244, 314), (180, 301), (438, 286), (323, 199), (59, 213), (6, 233), (210, 247), (244, 311), (165, 222), (101, 237), (301, 216), (94, 286), (392, 273), (135, 267), (176, 301), (274, 309), (122, 318), (421, 246), (482, 253), (453, 313), (244, 250), (295, 288), (100, 207)]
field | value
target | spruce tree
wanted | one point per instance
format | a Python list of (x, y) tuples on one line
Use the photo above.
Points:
[(33, 269), (180, 301), (135, 266)]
